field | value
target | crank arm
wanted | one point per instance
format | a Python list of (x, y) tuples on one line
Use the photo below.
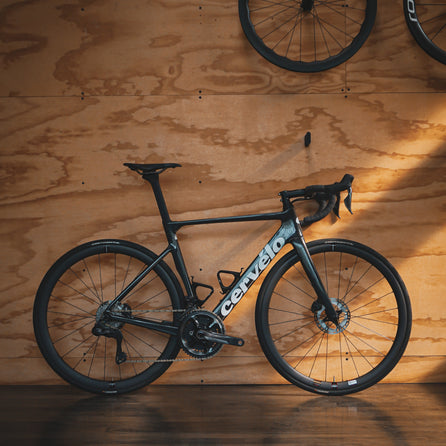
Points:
[(220, 338)]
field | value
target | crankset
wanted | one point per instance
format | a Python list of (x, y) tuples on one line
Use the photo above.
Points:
[(203, 334)]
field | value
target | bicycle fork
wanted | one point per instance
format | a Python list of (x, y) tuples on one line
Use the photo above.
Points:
[(323, 300)]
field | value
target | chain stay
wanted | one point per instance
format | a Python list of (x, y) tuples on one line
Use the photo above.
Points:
[(153, 361), (150, 311)]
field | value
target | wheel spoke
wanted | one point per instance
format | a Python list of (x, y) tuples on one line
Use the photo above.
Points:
[(69, 321), (100, 278), (64, 313), (376, 299), (291, 300), (312, 297), (92, 357), (289, 321), (148, 344), (302, 343)]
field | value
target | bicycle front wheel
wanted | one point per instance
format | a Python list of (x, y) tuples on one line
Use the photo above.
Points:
[(72, 297), (307, 35), (427, 23), (374, 319)]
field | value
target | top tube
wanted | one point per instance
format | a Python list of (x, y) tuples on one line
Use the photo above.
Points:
[(282, 216)]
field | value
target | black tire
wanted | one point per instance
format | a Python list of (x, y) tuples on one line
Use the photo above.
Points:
[(307, 35), (69, 300), (427, 23), (375, 319)]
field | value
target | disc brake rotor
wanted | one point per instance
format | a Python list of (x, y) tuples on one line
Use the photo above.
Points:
[(329, 327)]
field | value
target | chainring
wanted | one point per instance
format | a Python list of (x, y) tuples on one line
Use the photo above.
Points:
[(196, 320)]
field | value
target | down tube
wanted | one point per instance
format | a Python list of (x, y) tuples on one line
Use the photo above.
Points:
[(261, 262)]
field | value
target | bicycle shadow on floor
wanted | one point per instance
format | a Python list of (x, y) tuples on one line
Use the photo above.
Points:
[(219, 415)]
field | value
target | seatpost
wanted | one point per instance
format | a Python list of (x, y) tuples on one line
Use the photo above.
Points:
[(153, 179)]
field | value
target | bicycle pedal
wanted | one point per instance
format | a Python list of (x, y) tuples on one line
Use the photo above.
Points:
[(220, 338)]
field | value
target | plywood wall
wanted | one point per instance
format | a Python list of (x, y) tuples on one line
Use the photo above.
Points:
[(88, 85)]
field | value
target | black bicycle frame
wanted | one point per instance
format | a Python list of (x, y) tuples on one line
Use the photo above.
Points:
[(289, 232)]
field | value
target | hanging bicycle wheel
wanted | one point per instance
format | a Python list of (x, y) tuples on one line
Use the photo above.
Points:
[(70, 303), (307, 35), (374, 319), (426, 20)]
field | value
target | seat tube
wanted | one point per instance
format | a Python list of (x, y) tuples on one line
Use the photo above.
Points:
[(182, 271), (301, 249), (170, 234)]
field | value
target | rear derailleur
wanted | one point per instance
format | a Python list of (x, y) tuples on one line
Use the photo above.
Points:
[(102, 330), (111, 329)]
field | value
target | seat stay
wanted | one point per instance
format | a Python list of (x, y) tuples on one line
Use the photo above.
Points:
[(121, 296)]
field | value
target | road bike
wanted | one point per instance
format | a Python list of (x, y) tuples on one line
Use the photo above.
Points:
[(316, 35), (332, 316)]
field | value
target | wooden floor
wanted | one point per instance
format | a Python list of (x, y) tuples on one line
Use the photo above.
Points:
[(394, 414)]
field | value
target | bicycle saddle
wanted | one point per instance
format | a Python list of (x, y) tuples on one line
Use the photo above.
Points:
[(149, 169)]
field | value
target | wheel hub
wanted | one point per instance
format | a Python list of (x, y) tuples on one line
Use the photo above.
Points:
[(307, 5), (122, 309), (344, 316)]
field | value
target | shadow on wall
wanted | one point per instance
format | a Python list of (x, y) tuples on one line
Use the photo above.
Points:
[(413, 201), (171, 412)]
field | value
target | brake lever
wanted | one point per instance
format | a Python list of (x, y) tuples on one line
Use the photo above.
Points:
[(348, 200), (336, 206)]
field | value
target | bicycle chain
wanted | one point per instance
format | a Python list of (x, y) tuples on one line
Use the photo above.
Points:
[(153, 361)]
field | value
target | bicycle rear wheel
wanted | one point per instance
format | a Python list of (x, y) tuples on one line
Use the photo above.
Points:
[(374, 319), (427, 23), (307, 35), (70, 299)]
